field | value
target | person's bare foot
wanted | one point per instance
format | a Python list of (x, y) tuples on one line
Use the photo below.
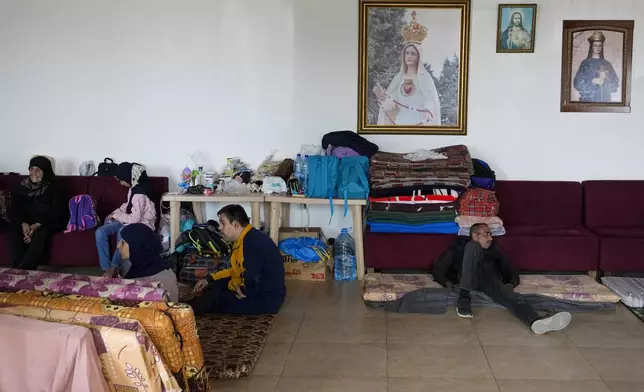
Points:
[(110, 273)]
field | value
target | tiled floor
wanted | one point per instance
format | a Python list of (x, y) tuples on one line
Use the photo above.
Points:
[(326, 340)]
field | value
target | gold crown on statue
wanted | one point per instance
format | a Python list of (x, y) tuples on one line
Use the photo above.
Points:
[(414, 31), (597, 36)]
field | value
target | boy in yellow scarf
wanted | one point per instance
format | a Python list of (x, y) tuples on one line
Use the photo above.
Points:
[(255, 282)]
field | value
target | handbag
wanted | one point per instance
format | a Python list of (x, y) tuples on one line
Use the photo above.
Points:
[(107, 168), (479, 202)]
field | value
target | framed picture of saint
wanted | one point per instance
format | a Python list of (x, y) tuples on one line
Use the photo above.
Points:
[(413, 67), (516, 28), (596, 66)]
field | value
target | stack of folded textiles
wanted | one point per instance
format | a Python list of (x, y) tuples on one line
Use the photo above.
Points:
[(466, 222), (417, 192)]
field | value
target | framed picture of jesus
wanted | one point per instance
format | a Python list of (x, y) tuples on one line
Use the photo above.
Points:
[(413, 67)]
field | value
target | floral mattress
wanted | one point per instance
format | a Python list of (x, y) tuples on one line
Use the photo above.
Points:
[(390, 287), (581, 288)]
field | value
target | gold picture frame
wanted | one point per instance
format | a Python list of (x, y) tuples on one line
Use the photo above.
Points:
[(413, 67), (516, 17)]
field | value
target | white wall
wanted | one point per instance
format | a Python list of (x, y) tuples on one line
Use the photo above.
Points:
[(157, 80)]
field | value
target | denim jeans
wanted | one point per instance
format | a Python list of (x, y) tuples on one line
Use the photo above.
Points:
[(103, 235)]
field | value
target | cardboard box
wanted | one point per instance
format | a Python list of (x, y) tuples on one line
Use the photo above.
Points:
[(299, 270), (294, 232)]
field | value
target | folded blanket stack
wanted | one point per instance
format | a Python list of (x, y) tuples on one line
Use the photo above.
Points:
[(494, 223), (417, 192)]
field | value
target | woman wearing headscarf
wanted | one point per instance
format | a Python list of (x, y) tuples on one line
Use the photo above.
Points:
[(141, 246), (138, 208), (36, 213)]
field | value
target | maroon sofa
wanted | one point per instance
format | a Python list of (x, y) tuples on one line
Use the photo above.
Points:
[(614, 211), (79, 248), (544, 227)]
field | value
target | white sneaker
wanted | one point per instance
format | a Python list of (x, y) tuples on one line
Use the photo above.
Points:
[(556, 322)]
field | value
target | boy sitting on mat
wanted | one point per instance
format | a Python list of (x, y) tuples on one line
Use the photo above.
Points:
[(255, 282)]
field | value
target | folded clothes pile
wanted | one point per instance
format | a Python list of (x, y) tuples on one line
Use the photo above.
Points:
[(417, 192), (466, 222)]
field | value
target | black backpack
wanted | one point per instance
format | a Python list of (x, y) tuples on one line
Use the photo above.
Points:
[(206, 241)]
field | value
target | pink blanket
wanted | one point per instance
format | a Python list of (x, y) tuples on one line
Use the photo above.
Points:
[(69, 364), (11, 282)]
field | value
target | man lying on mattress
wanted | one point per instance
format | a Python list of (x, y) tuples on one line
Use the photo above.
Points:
[(480, 266), (255, 282)]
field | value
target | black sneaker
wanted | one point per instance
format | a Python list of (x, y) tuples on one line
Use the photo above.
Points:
[(464, 308), (556, 322)]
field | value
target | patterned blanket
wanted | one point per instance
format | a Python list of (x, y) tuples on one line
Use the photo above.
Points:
[(393, 170), (84, 278), (90, 288)]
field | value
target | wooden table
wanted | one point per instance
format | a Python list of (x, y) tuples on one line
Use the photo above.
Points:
[(277, 201), (198, 206)]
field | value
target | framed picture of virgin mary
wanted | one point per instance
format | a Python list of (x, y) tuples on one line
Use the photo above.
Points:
[(596, 66), (413, 67)]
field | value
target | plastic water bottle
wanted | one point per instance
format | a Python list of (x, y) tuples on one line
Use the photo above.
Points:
[(304, 183), (344, 257), (298, 168)]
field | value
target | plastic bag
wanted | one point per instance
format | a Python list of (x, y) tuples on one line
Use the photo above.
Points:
[(274, 185), (311, 149), (87, 168), (267, 167), (305, 249), (164, 231)]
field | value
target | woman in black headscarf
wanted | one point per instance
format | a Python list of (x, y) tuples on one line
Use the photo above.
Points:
[(36, 213), (142, 248)]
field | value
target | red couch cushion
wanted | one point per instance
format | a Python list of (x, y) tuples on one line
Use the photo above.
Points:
[(618, 254), (613, 204), (620, 232), (404, 251), (547, 203), (547, 231), (551, 253)]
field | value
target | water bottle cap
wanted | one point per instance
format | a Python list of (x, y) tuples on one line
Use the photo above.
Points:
[(299, 155), (306, 155), (344, 231)]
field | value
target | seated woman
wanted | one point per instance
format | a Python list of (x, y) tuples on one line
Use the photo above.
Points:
[(142, 248), (137, 209), (255, 282), (35, 214)]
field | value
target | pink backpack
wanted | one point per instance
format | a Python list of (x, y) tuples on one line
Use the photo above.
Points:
[(82, 213)]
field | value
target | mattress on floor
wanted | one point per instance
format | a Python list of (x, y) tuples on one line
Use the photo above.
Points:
[(390, 287), (630, 290), (579, 288)]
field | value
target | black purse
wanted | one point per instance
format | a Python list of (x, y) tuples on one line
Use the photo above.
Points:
[(107, 168)]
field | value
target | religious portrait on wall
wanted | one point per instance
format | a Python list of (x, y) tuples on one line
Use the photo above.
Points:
[(413, 67), (516, 28), (596, 66)]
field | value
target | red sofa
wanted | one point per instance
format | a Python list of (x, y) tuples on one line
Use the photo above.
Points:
[(614, 211), (544, 227), (79, 248)]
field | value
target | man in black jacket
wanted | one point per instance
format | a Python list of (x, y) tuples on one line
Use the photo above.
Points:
[(482, 267)]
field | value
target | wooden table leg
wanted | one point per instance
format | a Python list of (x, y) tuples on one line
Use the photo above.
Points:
[(356, 211), (276, 215), (175, 223), (254, 214), (199, 209), (286, 215)]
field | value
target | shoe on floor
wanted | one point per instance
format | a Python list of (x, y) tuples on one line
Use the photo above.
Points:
[(556, 322), (464, 308)]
